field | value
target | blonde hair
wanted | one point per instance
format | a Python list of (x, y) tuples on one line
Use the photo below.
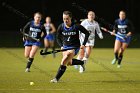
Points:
[(38, 14)]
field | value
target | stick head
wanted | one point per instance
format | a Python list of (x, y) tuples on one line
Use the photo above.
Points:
[(41, 52)]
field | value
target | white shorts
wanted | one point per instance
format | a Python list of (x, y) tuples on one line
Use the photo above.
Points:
[(89, 42)]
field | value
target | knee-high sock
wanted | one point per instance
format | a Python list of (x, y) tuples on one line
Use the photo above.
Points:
[(120, 59), (29, 63), (77, 62), (116, 55), (60, 72)]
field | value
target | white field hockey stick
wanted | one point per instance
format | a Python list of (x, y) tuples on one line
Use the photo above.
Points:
[(104, 29), (25, 34)]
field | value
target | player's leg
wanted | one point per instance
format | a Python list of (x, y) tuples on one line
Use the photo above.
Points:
[(88, 49), (117, 47), (79, 57), (27, 51), (31, 57), (26, 54), (53, 47), (81, 51), (79, 61), (120, 57), (67, 57), (87, 52), (46, 44), (76, 61)]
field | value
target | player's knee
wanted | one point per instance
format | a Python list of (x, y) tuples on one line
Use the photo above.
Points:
[(121, 50), (64, 63), (68, 53), (69, 64), (26, 56)]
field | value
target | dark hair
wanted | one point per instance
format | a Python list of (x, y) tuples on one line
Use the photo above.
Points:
[(68, 13)]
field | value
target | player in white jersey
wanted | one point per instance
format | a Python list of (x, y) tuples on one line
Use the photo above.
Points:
[(91, 25)]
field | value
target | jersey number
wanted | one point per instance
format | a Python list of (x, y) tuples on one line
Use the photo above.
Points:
[(34, 34), (68, 38)]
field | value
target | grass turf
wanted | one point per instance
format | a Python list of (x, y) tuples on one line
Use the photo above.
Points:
[(100, 76)]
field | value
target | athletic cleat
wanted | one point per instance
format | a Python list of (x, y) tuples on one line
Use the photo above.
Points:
[(54, 80), (119, 66), (27, 70), (113, 61), (44, 52), (76, 66), (82, 68)]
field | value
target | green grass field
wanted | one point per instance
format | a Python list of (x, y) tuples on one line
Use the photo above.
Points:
[(100, 76)]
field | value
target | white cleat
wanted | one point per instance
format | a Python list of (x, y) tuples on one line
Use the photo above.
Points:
[(76, 66), (54, 80), (119, 66), (113, 61), (82, 68), (27, 70)]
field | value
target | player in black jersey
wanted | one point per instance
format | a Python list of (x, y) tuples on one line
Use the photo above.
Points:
[(124, 28), (68, 37), (34, 29)]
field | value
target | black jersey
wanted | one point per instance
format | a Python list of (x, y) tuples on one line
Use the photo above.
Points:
[(123, 26), (70, 36), (34, 31)]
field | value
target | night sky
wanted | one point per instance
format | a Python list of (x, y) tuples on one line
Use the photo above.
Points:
[(106, 11)]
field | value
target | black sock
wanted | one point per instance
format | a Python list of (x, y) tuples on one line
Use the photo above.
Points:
[(120, 59), (29, 63), (60, 72), (46, 49), (116, 56), (77, 62)]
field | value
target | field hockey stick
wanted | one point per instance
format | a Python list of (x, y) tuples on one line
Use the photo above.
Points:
[(55, 51), (104, 29), (25, 34)]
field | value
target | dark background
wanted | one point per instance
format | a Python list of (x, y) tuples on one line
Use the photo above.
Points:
[(106, 12)]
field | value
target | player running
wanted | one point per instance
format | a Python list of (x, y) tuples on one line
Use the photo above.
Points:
[(124, 28), (68, 37), (91, 25), (34, 28), (50, 37)]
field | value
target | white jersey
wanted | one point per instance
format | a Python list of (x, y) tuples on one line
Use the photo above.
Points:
[(91, 27)]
